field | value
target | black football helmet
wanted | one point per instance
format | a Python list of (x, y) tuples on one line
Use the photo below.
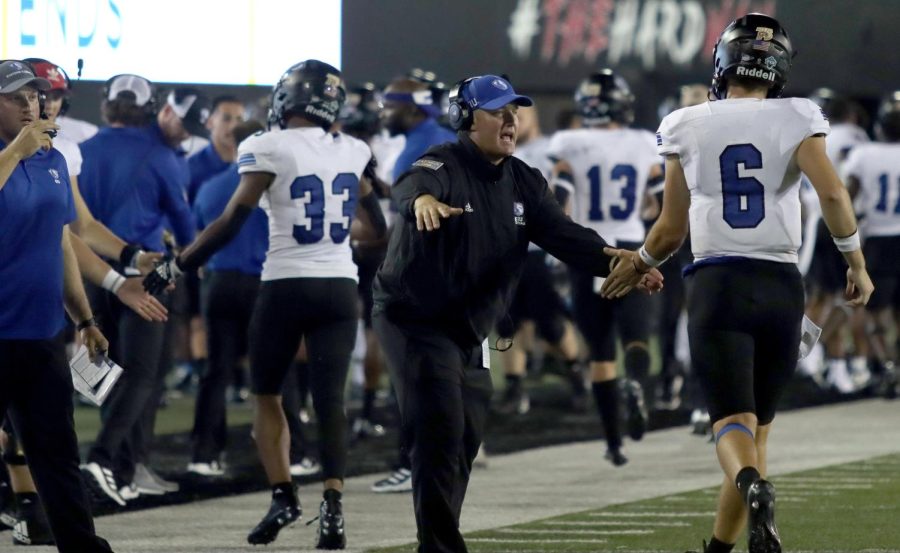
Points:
[(312, 89), (757, 47), (359, 116), (604, 97), (888, 124)]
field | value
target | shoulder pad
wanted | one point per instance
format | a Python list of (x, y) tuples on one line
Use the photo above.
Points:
[(432, 164)]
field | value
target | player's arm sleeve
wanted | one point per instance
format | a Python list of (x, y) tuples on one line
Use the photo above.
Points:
[(423, 178), (553, 231), (667, 137)]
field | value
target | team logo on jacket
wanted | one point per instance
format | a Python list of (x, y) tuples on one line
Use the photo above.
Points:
[(55, 174), (519, 213)]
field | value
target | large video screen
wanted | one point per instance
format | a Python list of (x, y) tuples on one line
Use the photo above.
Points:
[(190, 41)]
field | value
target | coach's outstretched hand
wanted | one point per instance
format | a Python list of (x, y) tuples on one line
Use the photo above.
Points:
[(859, 287), (164, 275), (429, 212), (629, 272)]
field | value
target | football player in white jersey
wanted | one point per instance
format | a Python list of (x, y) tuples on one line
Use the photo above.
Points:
[(873, 178), (733, 177), (824, 267), (311, 183), (537, 309), (605, 167)]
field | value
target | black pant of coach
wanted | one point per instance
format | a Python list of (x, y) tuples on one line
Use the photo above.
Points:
[(444, 395), (227, 299), (36, 387), (137, 346)]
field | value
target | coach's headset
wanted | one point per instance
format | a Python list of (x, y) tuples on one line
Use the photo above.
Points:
[(460, 113), (69, 84)]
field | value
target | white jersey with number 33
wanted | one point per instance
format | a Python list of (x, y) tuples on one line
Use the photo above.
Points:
[(312, 200), (738, 159)]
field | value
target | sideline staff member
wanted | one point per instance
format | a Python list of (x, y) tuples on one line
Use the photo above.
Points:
[(38, 277), (439, 293)]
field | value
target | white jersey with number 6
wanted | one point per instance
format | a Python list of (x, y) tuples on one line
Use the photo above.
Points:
[(312, 200), (610, 168), (738, 159), (877, 168)]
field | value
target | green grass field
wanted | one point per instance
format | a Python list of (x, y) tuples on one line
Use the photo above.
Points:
[(853, 507)]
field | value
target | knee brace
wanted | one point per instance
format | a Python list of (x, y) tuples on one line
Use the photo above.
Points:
[(637, 361), (733, 426)]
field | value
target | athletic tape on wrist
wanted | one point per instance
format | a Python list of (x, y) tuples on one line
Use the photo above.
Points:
[(112, 281), (649, 259), (848, 243)]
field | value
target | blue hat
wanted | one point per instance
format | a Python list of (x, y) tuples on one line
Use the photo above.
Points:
[(492, 92)]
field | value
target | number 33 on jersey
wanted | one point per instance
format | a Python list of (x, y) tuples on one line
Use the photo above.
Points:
[(312, 200), (738, 159)]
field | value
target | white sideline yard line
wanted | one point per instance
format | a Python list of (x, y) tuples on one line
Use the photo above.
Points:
[(789, 486), (544, 531), (601, 523), (652, 514)]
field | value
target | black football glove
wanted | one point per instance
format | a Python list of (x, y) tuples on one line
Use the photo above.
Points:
[(164, 275)]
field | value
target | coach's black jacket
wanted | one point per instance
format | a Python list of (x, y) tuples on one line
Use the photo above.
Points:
[(459, 279)]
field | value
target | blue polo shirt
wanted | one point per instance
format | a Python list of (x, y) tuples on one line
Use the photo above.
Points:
[(247, 251), (35, 204), (132, 181), (203, 165), (429, 133)]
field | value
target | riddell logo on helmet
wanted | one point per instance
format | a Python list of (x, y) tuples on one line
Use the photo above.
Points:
[(757, 73), (312, 110)]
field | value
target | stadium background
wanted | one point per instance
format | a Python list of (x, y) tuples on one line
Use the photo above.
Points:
[(544, 46)]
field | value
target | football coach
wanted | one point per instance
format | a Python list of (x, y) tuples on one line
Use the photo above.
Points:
[(468, 210)]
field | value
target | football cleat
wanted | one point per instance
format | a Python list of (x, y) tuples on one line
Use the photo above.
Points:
[(762, 533), (282, 512), (616, 457), (331, 523), (32, 527), (634, 406)]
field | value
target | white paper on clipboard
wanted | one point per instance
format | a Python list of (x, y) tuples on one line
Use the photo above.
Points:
[(809, 335), (93, 380)]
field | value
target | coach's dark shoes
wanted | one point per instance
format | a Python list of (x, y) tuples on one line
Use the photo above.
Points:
[(634, 405), (284, 511), (763, 535), (331, 522)]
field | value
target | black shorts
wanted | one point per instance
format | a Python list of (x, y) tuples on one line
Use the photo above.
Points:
[(744, 330), (828, 270), (537, 300), (367, 260), (883, 262), (600, 319), (321, 310)]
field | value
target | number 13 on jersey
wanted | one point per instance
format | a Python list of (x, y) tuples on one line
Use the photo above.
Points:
[(311, 190)]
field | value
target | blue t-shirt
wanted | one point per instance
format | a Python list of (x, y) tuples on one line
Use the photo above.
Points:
[(35, 204), (247, 251), (203, 165), (429, 133), (132, 181)]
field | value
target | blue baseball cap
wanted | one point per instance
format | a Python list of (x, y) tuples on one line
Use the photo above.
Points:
[(492, 92)]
